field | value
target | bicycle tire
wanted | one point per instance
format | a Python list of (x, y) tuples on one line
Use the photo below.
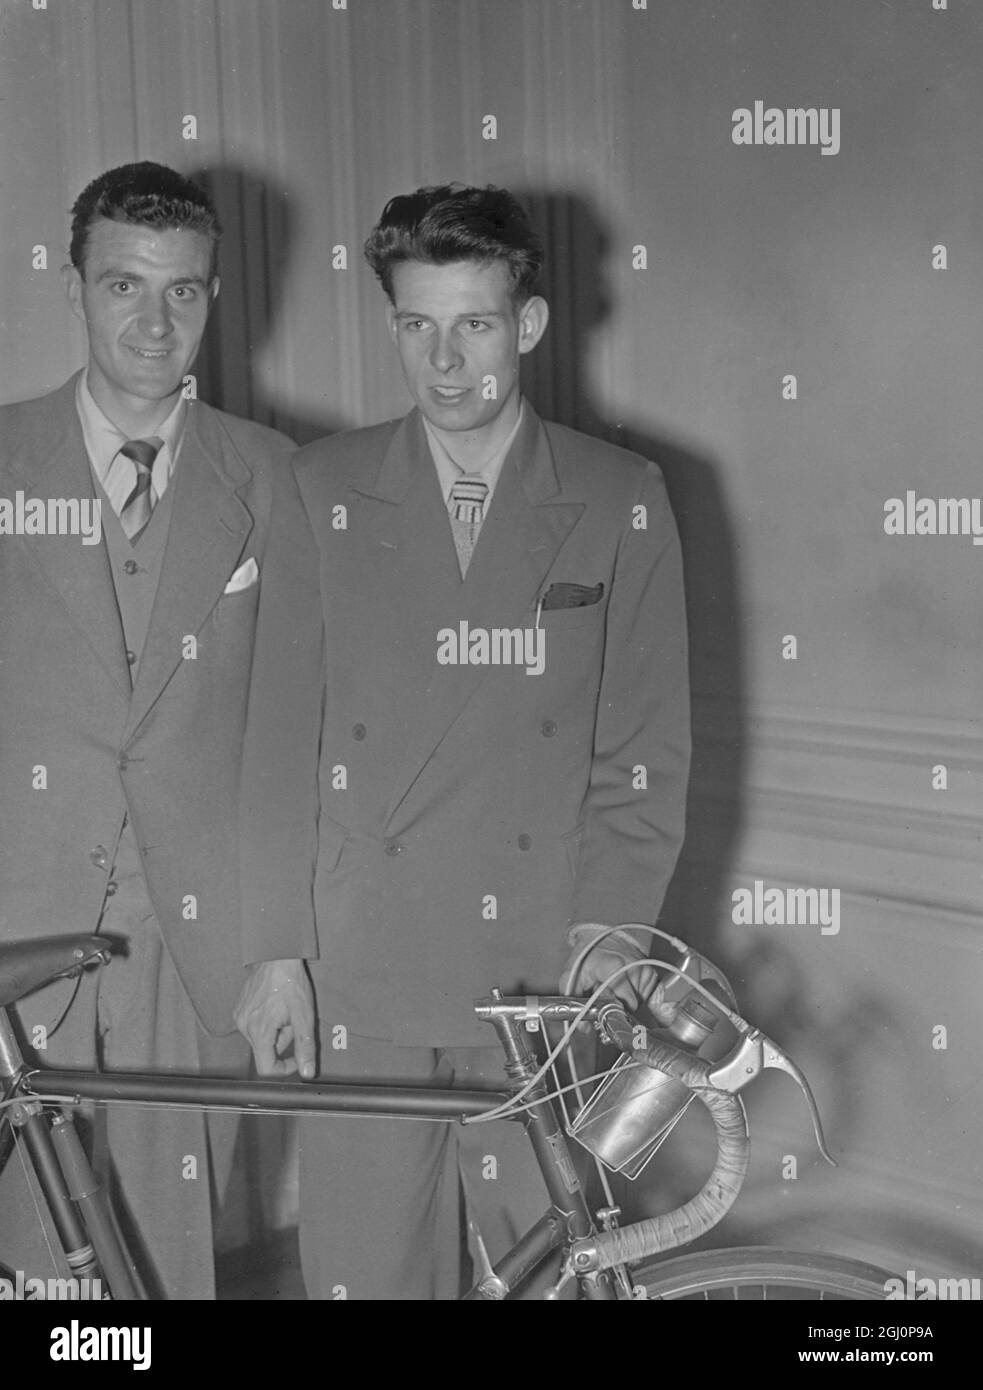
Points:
[(761, 1273)]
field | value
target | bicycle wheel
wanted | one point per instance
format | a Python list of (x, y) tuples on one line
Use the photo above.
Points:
[(761, 1273)]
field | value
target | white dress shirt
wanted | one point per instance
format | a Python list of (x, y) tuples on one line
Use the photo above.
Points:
[(448, 471), (114, 472)]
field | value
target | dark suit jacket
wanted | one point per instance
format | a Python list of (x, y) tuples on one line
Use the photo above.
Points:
[(430, 830), (166, 752)]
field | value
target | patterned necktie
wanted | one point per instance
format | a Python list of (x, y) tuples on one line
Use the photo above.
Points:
[(468, 498), (136, 510)]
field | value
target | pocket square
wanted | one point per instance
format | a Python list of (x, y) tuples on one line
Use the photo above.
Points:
[(244, 576), (571, 596)]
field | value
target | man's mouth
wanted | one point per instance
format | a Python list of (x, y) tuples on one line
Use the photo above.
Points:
[(151, 354), (450, 393)]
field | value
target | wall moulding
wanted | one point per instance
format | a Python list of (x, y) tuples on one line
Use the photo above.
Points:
[(845, 799)]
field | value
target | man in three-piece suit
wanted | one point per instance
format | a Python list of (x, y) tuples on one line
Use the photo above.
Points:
[(468, 736), (124, 667)]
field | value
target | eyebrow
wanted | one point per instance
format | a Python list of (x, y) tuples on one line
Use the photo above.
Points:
[(471, 314), (115, 273)]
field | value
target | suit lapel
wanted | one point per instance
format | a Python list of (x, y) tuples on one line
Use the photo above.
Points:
[(527, 523), (58, 466), (208, 530)]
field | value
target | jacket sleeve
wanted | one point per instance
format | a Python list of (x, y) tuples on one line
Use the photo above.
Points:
[(635, 808), (279, 797)]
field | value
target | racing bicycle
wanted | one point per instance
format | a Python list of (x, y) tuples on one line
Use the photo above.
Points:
[(690, 1045)]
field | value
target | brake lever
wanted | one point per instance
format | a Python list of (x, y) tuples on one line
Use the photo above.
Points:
[(755, 1054)]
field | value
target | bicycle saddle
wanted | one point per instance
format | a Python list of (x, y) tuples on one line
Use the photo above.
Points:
[(27, 965)]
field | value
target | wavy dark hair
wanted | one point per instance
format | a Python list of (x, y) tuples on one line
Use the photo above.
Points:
[(144, 195), (454, 222)]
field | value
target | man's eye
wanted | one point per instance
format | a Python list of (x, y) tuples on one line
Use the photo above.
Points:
[(122, 286), (183, 292), (478, 325)]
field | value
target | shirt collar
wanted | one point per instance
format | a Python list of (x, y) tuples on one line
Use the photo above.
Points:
[(448, 471), (103, 439)]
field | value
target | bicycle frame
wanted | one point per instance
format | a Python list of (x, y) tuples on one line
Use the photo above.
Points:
[(568, 1218)]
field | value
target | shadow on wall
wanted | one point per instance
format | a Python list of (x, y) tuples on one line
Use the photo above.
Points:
[(848, 1036), (259, 231), (852, 1039), (574, 282)]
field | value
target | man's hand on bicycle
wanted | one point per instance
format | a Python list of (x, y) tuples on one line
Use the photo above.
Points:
[(636, 988), (275, 1009)]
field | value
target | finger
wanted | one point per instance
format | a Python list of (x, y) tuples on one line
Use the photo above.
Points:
[(304, 1053), (262, 1045), (624, 992), (646, 978)]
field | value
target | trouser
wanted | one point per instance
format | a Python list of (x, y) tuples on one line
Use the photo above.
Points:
[(382, 1201), (167, 1169)]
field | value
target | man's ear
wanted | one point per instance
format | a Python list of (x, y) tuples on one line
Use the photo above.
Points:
[(213, 289), (72, 281), (533, 318), (391, 319)]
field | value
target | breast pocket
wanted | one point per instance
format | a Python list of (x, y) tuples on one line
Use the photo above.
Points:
[(558, 619), (237, 612), (574, 631)]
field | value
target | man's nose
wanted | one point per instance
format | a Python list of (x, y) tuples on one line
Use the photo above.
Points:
[(445, 354), (155, 317)]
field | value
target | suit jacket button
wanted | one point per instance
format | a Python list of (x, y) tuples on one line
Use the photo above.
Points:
[(524, 842), (99, 856), (111, 888), (122, 762), (131, 657), (548, 728), (130, 566), (393, 847), (358, 731)]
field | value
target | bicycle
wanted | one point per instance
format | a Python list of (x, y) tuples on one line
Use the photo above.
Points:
[(632, 1107)]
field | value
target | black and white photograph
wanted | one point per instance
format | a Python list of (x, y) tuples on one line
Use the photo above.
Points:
[(491, 660)]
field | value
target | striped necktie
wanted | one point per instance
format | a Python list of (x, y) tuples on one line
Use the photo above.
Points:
[(136, 510), (468, 499)]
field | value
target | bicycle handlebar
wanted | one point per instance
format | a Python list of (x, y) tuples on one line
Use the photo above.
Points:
[(714, 1083), (627, 1244)]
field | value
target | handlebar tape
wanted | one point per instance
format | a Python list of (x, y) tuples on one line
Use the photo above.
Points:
[(628, 1244)]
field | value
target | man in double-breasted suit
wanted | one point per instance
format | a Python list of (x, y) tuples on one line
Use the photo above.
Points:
[(468, 733), (125, 648)]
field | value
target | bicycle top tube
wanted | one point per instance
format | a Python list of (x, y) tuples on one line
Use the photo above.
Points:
[(298, 1097)]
